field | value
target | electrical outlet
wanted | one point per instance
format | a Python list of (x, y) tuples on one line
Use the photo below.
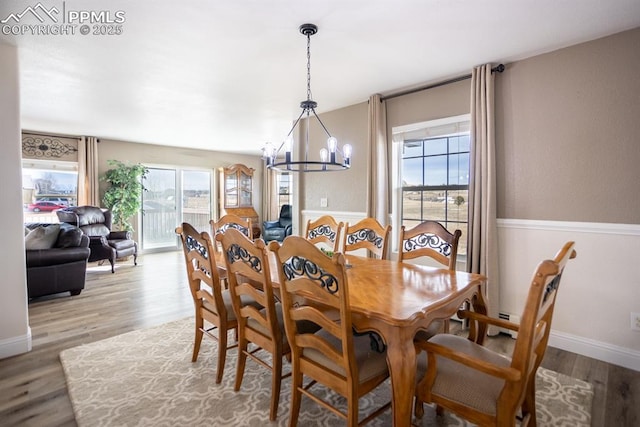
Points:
[(635, 321), (324, 202)]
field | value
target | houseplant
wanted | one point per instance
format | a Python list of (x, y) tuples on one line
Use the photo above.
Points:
[(124, 195)]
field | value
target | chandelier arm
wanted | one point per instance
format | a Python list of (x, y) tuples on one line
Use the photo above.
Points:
[(320, 121)]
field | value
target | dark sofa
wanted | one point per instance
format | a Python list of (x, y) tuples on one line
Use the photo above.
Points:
[(61, 268)]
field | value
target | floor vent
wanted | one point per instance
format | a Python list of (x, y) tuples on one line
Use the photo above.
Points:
[(513, 318)]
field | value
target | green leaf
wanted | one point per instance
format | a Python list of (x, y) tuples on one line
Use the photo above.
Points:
[(124, 195)]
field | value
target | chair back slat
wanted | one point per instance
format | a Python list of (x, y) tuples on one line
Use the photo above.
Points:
[(229, 221), (535, 323), (367, 234), (201, 266), (249, 281), (430, 239), (307, 274), (325, 231)]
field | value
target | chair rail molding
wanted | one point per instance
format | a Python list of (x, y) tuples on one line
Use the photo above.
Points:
[(344, 216), (582, 227)]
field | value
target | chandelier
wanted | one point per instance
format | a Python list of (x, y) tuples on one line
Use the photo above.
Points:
[(282, 158)]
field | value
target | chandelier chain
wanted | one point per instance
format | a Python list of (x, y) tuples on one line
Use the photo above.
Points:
[(308, 66)]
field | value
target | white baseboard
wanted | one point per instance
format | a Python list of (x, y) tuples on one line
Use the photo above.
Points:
[(609, 353), (15, 345)]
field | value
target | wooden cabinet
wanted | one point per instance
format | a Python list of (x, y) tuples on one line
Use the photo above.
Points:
[(236, 182)]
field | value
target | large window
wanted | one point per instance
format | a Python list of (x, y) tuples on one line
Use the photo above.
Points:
[(433, 175), (47, 186)]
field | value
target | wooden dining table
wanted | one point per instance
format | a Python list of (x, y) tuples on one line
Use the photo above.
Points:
[(396, 300)]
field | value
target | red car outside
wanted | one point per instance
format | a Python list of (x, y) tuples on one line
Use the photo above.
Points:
[(45, 206)]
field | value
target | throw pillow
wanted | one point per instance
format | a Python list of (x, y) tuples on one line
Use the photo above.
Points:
[(42, 237), (70, 236)]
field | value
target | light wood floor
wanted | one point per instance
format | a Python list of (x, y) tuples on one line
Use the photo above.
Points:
[(32, 385)]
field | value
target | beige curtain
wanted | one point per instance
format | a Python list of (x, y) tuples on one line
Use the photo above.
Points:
[(482, 252), (88, 183), (269, 201), (377, 184)]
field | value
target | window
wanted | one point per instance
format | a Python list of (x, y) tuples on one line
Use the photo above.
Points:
[(47, 186), (285, 189), (433, 174)]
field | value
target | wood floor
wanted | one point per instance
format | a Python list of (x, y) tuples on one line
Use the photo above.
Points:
[(32, 385)]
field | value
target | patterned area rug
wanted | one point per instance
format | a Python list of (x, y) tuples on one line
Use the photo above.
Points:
[(146, 378)]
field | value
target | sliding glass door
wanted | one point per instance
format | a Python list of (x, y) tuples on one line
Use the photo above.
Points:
[(159, 213), (196, 198), (174, 196)]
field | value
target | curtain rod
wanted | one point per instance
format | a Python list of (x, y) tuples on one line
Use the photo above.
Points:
[(497, 69)]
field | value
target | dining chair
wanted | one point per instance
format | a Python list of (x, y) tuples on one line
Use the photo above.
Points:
[(333, 356), (228, 221), (433, 240), (368, 234), (260, 324), (324, 231), (480, 385), (224, 223), (212, 302)]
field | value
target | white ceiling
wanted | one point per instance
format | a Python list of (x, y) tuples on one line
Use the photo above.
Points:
[(229, 74)]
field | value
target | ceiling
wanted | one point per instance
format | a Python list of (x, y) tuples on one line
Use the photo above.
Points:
[(229, 74)]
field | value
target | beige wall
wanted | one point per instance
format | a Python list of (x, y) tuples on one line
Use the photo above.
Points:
[(345, 190), (157, 155), (444, 101), (568, 133)]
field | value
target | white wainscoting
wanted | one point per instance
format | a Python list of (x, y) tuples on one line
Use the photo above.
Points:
[(346, 217), (599, 289)]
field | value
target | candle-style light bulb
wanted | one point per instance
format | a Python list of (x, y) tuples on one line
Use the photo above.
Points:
[(288, 148), (346, 153), (332, 143), (324, 155), (269, 152)]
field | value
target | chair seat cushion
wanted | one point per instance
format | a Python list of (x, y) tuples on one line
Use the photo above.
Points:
[(461, 383), (304, 326), (226, 298), (370, 363), (120, 245)]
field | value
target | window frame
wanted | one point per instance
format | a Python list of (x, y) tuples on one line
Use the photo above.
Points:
[(432, 129)]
